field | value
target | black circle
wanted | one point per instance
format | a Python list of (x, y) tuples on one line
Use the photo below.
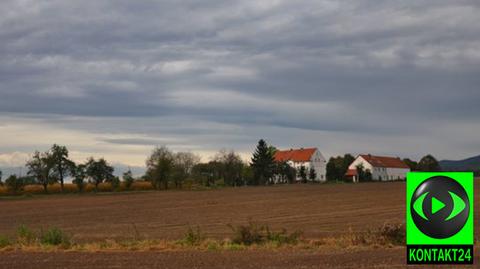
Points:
[(437, 226)]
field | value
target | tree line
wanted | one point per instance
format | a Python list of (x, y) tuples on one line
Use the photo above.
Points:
[(168, 169), (165, 169), (55, 166)]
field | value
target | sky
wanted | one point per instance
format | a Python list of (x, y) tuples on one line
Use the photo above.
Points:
[(114, 79)]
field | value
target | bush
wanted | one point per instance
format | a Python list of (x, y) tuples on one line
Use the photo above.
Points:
[(33, 189), (193, 237), (283, 237), (54, 188), (388, 234), (70, 188), (393, 233), (54, 236), (3, 190), (25, 236), (4, 241), (14, 184), (105, 187), (142, 186), (89, 187), (261, 234), (247, 234)]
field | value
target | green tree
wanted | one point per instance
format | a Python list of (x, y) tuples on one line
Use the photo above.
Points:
[(160, 166), (312, 175), (41, 167), (62, 164), (338, 166), (79, 174), (204, 173), (428, 164), (115, 181), (128, 178), (282, 171), (14, 184), (99, 171), (247, 175), (262, 163), (183, 163), (364, 175), (412, 164), (231, 167), (302, 172), (1, 174), (332, 172)]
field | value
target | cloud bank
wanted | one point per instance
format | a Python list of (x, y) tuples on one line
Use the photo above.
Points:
[(115, 78)]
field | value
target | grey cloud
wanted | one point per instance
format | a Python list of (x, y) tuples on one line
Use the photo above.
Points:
[(386, 67)]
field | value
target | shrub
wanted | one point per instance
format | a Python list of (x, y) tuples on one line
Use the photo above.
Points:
[(70, 188), (25, 236), (193, 237), (388, 234), (393, 233), (89, 187), (105, 187), (54, 236), (142, 186), (247, 234), (54, 188), (14, 184), (4, 241), (33, 189), (253, 233), (283, 237), (3, 190)]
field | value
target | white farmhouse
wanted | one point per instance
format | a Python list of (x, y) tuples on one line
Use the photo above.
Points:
[(382, 168), (307, 157)]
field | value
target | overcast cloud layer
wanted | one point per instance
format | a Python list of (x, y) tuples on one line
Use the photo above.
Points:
[(116, 78)]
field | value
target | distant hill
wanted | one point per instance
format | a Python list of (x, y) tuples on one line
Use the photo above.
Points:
[(470, 164)]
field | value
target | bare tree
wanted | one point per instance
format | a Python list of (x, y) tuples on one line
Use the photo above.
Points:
[(160, 167), (231, 167), (183, 163)]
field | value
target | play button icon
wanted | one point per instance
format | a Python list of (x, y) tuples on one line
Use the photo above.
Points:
[(437, 205), (440, 207)]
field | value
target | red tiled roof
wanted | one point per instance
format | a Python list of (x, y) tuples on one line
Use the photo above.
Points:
[(381, 161), (296, 155), (351, 172)]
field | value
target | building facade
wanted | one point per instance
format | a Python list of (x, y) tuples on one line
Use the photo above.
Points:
[(307, 157), (382, 168)]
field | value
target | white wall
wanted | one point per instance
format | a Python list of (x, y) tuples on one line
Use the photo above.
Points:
[(380, 173), (361, 161), (397, 173), (319, 163)]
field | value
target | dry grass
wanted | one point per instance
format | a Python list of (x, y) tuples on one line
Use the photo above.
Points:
[(72, 188), (3, 190), (385, 235), (54, 239), (141, 186)]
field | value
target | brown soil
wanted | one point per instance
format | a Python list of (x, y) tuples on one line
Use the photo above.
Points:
[(317, 210), (351, 258)]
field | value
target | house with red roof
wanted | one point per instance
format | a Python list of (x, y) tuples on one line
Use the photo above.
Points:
[(382, 168), (307, 157)]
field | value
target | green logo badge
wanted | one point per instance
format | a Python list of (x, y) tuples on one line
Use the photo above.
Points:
[(439, 218)]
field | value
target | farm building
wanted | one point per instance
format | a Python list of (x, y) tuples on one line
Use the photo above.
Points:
[(307, 157), (382, 168)]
